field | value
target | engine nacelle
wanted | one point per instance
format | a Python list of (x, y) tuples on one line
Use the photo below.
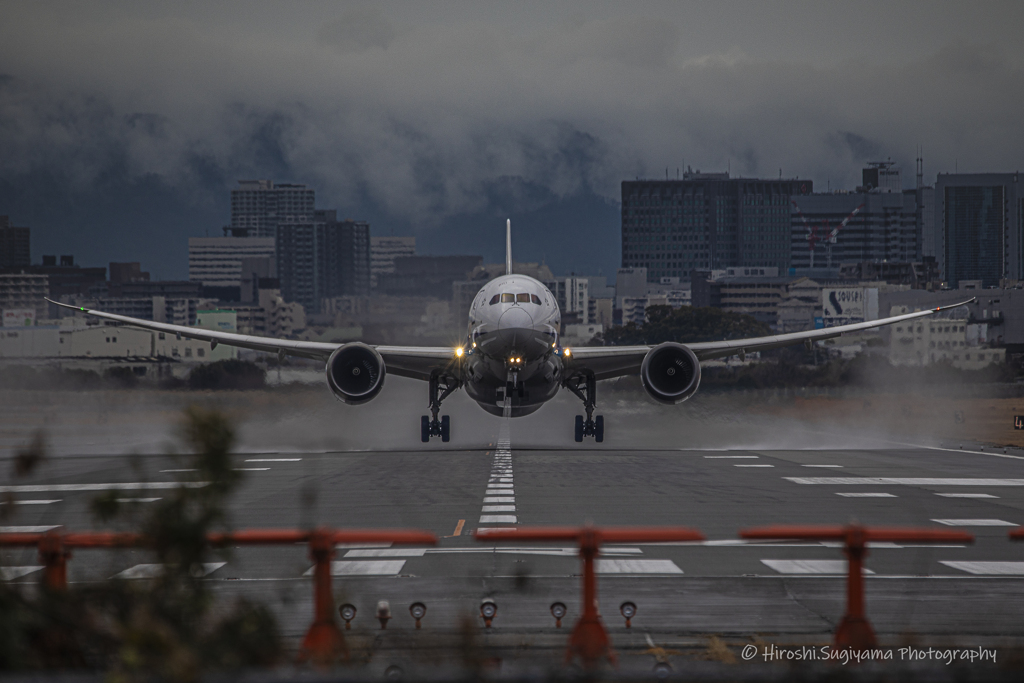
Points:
[(670, 373), (355, 373)]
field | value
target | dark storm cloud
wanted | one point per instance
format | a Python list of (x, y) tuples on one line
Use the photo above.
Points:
[(434, 118)]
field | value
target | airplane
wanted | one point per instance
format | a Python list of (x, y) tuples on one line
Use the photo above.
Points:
[(511, 362)]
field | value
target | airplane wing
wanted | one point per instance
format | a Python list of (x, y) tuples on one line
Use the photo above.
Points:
[(607, 362), (416, 362)]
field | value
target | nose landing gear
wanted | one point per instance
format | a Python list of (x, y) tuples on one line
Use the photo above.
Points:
[(585, 388), (431, 425)]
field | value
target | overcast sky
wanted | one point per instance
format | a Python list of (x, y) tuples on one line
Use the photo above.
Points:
[(124, 125)]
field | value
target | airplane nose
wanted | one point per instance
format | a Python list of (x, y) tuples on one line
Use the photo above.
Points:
[(512, 321)]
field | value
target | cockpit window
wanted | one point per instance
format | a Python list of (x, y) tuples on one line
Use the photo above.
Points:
[(495, 298), (523, 298), (535, 299), (508, 298)]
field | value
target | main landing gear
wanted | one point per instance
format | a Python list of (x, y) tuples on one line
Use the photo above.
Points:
[(585, 388), (440, 387)]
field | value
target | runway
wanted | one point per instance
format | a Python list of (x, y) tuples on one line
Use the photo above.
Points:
[(964, 594)]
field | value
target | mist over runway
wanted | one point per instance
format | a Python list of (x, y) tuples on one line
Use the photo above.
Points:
[(310, 461)]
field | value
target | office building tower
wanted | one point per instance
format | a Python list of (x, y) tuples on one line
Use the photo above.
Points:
[(980, 224), (323, 258), (216, 262), (706, 221), (15, 245), (259, 206), (384, 251)]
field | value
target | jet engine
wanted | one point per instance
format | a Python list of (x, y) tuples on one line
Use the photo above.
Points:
[(355, 373), (670, 373)]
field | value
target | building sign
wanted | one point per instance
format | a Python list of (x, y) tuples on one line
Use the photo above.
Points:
[(19, 317), (845, 305), (1018, 421)]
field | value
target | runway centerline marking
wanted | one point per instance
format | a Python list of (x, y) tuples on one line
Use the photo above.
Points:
[(821, 466), (730, 457), (273, 459), (753, 465)]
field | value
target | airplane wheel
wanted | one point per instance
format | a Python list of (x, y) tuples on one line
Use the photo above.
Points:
[(446, 428), (425, 429), (579, 429), (599, 428)]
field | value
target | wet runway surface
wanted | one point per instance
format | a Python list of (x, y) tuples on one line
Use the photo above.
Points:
[(505, 476)]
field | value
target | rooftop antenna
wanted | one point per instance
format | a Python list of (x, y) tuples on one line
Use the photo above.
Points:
[(508, 246), (920, 167)]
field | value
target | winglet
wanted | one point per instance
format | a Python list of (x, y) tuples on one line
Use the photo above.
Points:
[(508, 246), (962, 303)]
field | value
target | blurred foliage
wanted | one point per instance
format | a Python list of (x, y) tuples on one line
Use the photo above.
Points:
[(228, 374), (168, 627), (686, 325)]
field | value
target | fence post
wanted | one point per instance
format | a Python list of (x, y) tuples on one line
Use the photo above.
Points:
[(854, 630), (54, 557), (324, 640)]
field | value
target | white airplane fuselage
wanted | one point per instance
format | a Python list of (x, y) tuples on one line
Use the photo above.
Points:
[(513, 345)]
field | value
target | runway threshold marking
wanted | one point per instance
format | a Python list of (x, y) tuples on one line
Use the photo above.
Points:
[(501, 480), (152, 571)]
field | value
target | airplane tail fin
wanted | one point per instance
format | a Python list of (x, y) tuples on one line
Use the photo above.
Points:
[(508, 246)]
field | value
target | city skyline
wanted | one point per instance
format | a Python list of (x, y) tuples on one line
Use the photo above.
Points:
[(125, 126)]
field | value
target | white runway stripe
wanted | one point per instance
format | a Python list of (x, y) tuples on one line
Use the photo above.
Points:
[(152, 571), (966, 495), (273, 459), (847, 494), (28, 529), (498, 508), (34, 502), (753, 465), (500, 499), (992, 568), (821, 465), (11, 573), (974, 522), (809, 566), (730, 457), (387, 552), (498, 519), (364, 568), (138, 500), (905, 481), (117, 486), (499, 486), (637, 567)]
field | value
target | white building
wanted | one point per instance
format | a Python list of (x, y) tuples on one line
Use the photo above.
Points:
[(19, 291), (930, 340), (384, 251), (217, 261)]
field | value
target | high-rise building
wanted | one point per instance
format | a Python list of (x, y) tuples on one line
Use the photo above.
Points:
[(323, 258), (259, 206), (216, 262), (15, 245), (706, 221), (836, 227), (980, 227), (384, 251)]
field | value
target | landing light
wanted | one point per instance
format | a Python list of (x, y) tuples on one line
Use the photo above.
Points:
[(459, 351), (566, 352)]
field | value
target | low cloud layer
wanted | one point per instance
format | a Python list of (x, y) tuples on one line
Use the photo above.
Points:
[(441, 119)]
